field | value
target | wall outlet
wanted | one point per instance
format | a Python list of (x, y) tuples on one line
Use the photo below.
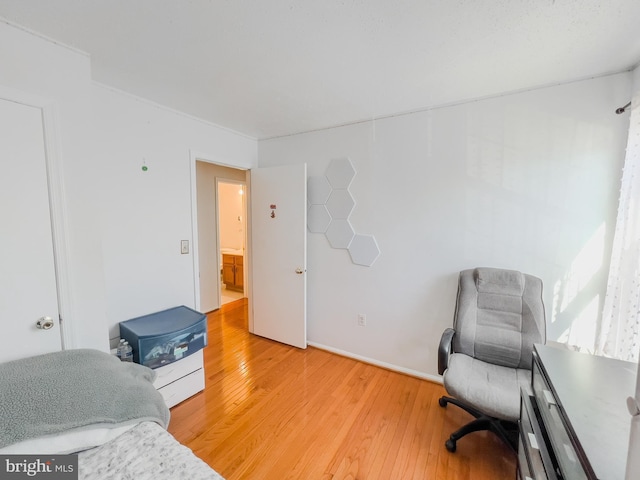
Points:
[(362, 319)]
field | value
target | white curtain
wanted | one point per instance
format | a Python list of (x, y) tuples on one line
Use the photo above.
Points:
[(619, 332)]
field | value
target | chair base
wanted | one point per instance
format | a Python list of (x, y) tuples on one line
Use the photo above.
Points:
[(507, 431)]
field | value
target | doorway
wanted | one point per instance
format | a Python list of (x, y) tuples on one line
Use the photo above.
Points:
[(208, 257), (276, 290)]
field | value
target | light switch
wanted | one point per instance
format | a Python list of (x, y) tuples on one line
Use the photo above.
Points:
[(184, 247)]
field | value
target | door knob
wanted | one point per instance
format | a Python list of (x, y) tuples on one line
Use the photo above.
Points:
[(45, 323), (299, 271)]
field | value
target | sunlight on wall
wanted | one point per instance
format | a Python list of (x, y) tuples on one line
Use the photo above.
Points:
[(581, 332), (584, 267)]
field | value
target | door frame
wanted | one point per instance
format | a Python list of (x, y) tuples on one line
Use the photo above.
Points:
[(57, 210), (194, 157)]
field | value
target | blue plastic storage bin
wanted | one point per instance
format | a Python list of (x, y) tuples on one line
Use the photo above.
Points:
[(165, 337)]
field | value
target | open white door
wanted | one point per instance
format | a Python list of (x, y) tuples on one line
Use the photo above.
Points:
[(28, 279), (279, 253)]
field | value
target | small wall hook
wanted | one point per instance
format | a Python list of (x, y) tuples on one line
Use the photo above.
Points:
[(622, 109)]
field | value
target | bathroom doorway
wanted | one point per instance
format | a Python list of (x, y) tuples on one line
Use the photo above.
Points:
[(232, 234)]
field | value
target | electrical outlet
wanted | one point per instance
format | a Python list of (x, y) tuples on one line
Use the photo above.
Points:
[(362, 319), (184, 247)]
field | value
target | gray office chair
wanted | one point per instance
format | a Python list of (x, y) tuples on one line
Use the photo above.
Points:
[(487, 355)]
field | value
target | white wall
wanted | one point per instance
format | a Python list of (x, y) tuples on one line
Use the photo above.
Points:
[(231, 216), (145, 214), (124, 225), (33, 65), (527, 181)]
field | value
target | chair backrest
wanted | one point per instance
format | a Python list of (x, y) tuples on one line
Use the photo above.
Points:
[(499, 316)]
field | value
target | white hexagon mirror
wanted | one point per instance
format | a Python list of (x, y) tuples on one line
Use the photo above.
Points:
[(318, 219), (340, 233), (318, 190), (364, 250), (340, 172), (340, 204)]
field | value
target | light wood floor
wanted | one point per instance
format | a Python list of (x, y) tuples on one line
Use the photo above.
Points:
[(270, 411)]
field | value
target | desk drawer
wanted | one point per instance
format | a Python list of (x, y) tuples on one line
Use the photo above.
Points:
[(524, 471), (532, 449), (565, 452)]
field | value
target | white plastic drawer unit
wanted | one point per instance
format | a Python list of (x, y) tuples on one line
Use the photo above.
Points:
[(165, 337), (177, 370), (181, 380)]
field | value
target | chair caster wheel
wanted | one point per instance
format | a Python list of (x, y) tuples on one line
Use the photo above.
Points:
[(442, 402), (451, 445)]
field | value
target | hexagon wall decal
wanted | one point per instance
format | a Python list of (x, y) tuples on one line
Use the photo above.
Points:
[(330, 206), (318, 219), (340, 203), (318, 190), (340, 172), (364, 250), (340, 233)]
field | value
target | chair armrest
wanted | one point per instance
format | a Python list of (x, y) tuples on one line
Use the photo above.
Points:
[(444, 350)]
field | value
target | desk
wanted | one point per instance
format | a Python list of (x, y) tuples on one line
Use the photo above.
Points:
[(574, 420)]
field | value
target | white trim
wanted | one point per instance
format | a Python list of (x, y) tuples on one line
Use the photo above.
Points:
[(59, 225), (193, 157), (454, 103), (378, 363), (171, 110), (44, 37), (248, 260), (57, 203)]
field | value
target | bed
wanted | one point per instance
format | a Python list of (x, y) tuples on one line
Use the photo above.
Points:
[(88, 403)]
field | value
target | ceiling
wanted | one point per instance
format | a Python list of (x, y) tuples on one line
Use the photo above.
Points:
[(269, 68)]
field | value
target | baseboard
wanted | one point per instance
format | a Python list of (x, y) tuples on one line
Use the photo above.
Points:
[(378, 363)]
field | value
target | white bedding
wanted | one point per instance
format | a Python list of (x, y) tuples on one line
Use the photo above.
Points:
[(146, 451), (71, 441)]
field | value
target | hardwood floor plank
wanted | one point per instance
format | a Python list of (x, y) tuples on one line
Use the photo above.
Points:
[(340, 409), (270, 411), (355, 450), (407, 462)]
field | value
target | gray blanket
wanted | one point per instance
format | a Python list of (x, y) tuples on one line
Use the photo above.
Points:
[(52, 393)]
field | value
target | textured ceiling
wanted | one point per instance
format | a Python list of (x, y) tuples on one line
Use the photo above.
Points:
[(275, 67)]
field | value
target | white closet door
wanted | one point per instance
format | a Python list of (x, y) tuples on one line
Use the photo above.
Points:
[(27, 270)]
